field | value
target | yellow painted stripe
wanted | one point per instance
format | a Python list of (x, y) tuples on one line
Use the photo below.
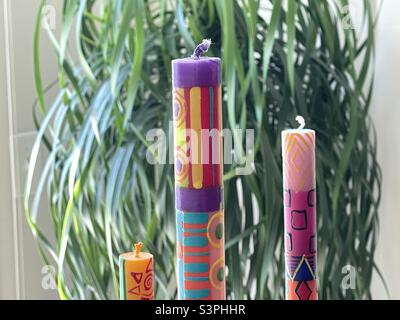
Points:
[(195, 124), (180, 133)]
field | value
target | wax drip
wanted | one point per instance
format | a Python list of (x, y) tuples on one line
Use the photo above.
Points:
[(201, 48), (138, 247), (301, 121)]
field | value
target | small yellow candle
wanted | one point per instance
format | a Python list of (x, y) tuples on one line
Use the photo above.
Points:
[(136, 274)]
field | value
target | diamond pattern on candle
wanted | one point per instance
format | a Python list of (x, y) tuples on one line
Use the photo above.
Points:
[(303, 291), (299, 161)]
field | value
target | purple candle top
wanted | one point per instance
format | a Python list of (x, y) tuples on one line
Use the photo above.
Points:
[(197, 71)]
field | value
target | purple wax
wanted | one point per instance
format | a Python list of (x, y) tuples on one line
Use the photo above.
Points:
[(192, 72)]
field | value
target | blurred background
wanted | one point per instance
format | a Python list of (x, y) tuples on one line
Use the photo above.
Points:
[(21, 270)]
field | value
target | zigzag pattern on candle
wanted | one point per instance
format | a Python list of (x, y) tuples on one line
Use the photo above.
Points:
[(200, 255), (199, 192), (300, 215), (198, 142), (299, 160)]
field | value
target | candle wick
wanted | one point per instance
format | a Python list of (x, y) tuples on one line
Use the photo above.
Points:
[(201, 48), (138, 247), (301, 121)]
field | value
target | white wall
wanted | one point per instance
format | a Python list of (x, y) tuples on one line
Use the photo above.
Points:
[(20, 266), (386, 114), (7, 252)]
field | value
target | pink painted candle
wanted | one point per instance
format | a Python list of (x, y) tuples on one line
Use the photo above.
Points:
[(299, 195)]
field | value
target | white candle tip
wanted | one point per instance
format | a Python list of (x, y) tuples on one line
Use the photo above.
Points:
[(301, 121), (207, 42), (201, 48)]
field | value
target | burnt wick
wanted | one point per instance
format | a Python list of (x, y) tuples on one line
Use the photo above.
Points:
[(201, 48)]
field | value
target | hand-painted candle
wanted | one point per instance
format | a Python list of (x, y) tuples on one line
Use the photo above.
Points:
[(136, 275), (197, 111), (298, 153)]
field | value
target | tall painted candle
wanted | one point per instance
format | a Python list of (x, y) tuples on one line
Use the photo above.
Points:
[(136, 275), (298, 153), (197, 112)]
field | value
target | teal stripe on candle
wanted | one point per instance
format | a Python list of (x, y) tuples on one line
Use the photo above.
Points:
[(195, 267), (195, 230), (195, 217), (197, 279), (180, 279), (197, 294), (122, 291), (179, 222), (195, 241), (197, 254)]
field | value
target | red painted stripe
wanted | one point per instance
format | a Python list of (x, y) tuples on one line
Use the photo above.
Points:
[(196, 285), (195, 249), (194, 226), (191, 234), (205, 108), (206, 142), (191, 274), (195, 259), (210, 145), (217, 166), (187, 102)]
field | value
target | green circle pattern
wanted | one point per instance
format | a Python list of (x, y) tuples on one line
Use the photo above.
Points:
[(220, 274), (218, 231)]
